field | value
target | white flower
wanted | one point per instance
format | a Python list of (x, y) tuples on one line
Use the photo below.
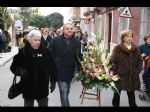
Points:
[(114, 78), (99, 77)]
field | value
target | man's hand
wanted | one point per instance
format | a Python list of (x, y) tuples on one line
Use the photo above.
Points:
[(52, 87)]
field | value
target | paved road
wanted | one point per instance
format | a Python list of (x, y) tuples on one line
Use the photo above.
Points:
[(6, 78)]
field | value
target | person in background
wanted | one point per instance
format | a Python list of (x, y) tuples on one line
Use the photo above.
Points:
[(3, 42), (79, 35), (60, 31), (18, 36), (8, 37), (46, 39), (145, 54), (36, 67), (127, 64), (8, 40), (54, 33), (23, 39), (85, 40), (50, 33), (66, 49)]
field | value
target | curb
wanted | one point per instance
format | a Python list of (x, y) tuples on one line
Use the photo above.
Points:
[(3, 63), (6, 57)]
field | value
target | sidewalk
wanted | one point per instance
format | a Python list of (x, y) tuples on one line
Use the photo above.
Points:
[(5, 57)]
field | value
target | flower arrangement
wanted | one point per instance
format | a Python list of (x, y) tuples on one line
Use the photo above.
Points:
[(96, 73)]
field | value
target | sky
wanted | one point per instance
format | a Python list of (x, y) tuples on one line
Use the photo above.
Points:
[(63, 10)]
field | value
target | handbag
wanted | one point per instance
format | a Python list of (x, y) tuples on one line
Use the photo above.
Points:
[(15, 89)]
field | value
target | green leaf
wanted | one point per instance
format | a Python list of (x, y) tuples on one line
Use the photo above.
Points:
[(94, 88), (79, 77), (87, 80), (113, 87)]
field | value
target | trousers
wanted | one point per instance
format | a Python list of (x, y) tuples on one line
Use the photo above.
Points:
[(131, 99), (43, 102), (64, 88)]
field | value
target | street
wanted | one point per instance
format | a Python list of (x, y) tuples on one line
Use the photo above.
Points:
[(54, 99)]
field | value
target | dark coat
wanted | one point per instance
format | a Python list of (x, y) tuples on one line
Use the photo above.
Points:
[(46, 42), (41, 68), (144, 48), (66, 56), (3, 43), (127, 64)]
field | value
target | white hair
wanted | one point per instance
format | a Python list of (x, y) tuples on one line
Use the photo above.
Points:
[(33, 33), (68, 23)]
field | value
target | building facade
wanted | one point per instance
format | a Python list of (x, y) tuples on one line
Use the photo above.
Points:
[(107, 23)]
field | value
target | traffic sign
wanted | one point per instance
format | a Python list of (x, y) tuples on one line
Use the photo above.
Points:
[(126, 13)]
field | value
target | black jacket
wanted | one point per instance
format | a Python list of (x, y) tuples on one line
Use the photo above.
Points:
[(46, 43), (2, 42), (41, 69), (66, 56)]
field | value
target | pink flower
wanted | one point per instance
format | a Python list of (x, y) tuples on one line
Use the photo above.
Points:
[(114, 78), (96, 65), (111, 72), (91, 74), (95, 70), (92, 59), (87, 71)]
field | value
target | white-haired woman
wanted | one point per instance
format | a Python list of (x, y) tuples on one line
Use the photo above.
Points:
[(36, 66)]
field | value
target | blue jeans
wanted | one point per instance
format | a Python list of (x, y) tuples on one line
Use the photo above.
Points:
[(64, 88)]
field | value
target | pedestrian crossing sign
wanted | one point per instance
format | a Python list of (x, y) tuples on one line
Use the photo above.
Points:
[(126, 13)]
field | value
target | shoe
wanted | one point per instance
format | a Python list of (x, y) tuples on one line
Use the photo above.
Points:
[(133, 105)]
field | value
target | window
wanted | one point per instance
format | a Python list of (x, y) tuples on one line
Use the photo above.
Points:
[(98, 26), (145, 23), (122, 24)]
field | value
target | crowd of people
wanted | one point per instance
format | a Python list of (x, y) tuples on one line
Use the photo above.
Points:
[(51, 56)]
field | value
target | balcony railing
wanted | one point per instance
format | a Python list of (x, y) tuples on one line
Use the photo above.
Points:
[(99, 10), (102, 10)]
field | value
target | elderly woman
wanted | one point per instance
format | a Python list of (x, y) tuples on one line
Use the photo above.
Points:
[(145, 53), (127, 63), (36, 66)]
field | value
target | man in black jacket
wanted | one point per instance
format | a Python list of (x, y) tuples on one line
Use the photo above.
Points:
[(46, 39), (66, 50), (36, 67)]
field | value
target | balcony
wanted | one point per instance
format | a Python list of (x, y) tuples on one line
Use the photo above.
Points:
[(88, 11), (75, 18), (102, 10)]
